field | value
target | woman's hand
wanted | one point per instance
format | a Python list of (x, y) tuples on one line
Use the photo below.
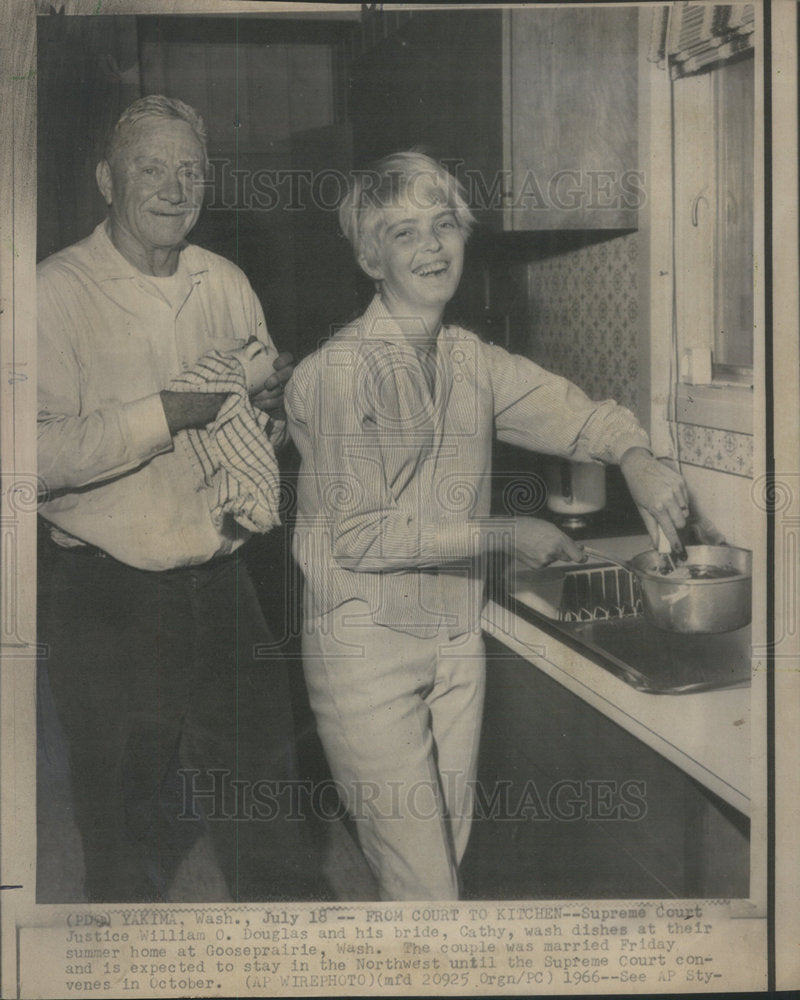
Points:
[(659, 492), (537, 543)]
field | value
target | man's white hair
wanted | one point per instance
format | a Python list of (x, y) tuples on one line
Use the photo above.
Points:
[(156, 106)]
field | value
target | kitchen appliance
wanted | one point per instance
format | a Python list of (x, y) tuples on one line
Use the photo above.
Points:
[(574, 490)]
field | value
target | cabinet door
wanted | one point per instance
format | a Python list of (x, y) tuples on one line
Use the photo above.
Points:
[(533, 109), (568, 805), (436, 83), (572, 111)]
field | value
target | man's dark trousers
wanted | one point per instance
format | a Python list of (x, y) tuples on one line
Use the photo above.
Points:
[(166, 699)]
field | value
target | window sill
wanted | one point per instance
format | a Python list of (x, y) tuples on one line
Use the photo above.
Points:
[(726, 406)]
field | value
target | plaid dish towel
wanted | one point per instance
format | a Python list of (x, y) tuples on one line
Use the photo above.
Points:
[(234, 452)]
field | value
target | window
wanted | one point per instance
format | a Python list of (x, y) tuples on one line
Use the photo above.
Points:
[(708, 51), (733, 314)]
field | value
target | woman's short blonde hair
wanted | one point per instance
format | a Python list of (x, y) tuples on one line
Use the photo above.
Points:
[(407, 175)]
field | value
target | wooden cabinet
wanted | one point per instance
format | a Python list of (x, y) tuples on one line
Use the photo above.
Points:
[(533, 109), (569, 805), (572, 75), (435, 83)]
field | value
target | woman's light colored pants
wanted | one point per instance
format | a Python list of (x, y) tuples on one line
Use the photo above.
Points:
[(399, 718)]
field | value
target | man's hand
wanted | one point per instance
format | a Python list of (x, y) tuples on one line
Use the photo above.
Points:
[(537, 543), (270, 397), (660, 494)]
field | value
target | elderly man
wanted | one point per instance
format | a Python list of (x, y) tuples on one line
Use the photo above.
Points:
[(174, 718)]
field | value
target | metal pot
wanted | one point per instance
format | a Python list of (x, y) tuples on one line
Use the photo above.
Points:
[(708, 603)]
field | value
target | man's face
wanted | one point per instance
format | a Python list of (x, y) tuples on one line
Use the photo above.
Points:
[(154, 184), (420, 258)]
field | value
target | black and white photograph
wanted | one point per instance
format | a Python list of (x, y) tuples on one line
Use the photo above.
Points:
[(400, 498)]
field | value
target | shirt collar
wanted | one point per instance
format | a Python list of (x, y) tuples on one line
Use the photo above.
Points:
[(377, 323), (108, 264)]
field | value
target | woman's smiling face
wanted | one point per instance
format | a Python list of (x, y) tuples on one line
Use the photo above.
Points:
[(420, 257)]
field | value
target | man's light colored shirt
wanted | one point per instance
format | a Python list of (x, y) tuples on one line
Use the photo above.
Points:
[(394, 481), (109, 341)]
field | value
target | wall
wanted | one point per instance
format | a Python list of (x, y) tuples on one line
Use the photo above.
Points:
[(584, 318), (586, 322), (726, 500), (718, 461), (87, 73)]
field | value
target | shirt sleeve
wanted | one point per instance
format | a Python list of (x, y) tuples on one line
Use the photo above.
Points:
[(546, 413), (75, 448), (356, 471)]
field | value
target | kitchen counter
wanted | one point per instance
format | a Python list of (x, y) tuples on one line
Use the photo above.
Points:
[(706, 733)]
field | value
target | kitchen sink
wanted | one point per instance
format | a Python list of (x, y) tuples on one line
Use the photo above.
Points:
[(597, 609)]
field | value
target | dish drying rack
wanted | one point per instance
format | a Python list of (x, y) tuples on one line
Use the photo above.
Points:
[(599, 593)]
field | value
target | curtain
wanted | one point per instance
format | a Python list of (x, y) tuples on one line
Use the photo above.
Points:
[(691, 37)]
